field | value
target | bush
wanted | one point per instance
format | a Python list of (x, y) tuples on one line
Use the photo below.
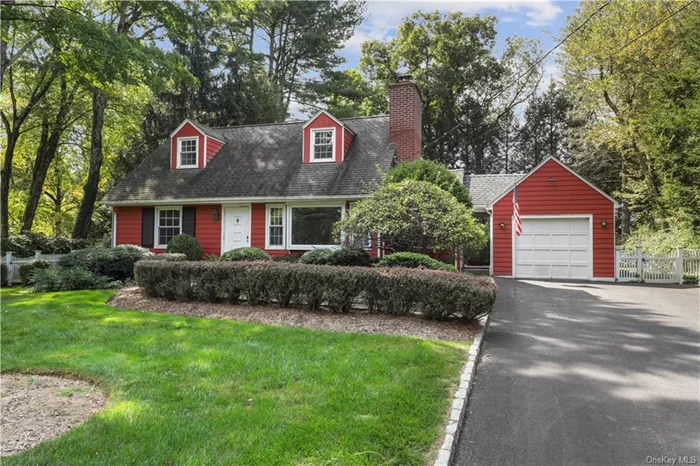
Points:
[(690, 279), (25, 245), (67, 279), (4, 275), (115, 263), (167, 256), (432, 172), (316, 256), (352, 256), (26, 271), (245, 254), (413, 260), (662, 242), (187, 245), (436, 294)]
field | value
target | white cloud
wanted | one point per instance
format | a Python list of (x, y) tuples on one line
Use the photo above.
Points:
[(383, 17)]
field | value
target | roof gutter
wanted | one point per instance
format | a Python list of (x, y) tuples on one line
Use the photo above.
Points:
[(230, 200)]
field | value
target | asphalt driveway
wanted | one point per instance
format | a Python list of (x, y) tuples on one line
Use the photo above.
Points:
[(587, 373)]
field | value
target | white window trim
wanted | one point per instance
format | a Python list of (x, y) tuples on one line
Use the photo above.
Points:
[(268, 207), (313, 145), (196, 150), (156, 223), (308, 247)]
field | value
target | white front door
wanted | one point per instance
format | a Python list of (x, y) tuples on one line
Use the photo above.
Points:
[(555, 247), (236, 228)]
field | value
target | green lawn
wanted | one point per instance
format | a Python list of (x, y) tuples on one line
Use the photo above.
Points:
[(203, 391)]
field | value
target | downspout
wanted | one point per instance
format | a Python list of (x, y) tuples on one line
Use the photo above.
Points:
[(489, 210)]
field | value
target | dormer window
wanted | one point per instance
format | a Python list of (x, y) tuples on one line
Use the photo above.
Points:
[(187, 149), (323, 141)]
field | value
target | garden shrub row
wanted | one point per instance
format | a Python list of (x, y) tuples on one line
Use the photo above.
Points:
[(115, 263), (396, 291), (68, 279), (350, 256), (26, 271), (26, 245), (414, 260)]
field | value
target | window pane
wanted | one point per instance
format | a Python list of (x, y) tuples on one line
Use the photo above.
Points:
[(276, 216), (168, 225), (314, 225), (323, 144), (188, 152), (276, 236)]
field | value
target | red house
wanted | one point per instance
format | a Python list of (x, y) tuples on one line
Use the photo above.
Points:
[(568, 225), (279, 187)]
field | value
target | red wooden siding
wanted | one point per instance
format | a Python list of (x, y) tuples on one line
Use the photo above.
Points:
[(566, 195), (187, 130), (213, 147), (257, 230), (348, 140), (128, 225), (323, 121), (207, 230)]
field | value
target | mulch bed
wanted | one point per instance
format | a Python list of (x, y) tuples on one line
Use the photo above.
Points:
[(357, 321), (35, 408)]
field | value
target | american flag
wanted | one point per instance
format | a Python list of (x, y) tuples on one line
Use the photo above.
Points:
[(516, 213)]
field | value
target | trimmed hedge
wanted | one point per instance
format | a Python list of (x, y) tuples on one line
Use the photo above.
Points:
[(187, 245), (398, 291), (347, 256), (245, 254), (414, 260), (166, 256), (115, 263), (68, 279), (26, 271)]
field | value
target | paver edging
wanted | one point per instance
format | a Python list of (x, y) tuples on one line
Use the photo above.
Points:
[(459, 404)]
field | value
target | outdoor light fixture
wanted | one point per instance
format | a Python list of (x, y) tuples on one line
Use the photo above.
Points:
[(604, 223), (551, 179), (216, 215), (503, 224)]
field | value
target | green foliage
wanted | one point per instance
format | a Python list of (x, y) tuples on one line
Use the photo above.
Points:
[(436, 294), (662, 241), (432, 172), (67, 279), (187, 245), (26, 271), (175, 380), (245, 254), (690, 279), (26, 245), (167, 256), (116, 263), (413, 216), (414, 260), (316, 256), (4, 275)]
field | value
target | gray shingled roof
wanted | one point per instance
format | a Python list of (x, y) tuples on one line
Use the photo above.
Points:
[(262, 161), (484, 189)]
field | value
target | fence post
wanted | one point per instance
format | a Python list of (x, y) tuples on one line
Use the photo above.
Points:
[(680, 257), (37, 255), (8, 261), (617, 262), (640, 264)]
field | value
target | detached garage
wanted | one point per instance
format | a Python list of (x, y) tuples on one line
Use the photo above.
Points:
[(565, 228)]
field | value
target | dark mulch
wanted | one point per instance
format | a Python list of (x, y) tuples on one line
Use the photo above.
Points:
[(357, 321)]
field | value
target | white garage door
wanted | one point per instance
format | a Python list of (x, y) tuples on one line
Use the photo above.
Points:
[(553, 248)]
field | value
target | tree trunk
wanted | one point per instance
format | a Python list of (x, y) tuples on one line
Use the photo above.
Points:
[(83, 221), (5, 177), (624, 219)]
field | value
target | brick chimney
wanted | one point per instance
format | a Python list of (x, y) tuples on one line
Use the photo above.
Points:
[(405, 118)]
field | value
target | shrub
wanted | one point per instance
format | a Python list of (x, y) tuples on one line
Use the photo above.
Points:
[(115, 263), (414, 260), (26, 271), (25, 245), (4, 275), (316, 256), (690, 279), (167, 256), (432, 172), (288, 258), (353, 256), (436, 294), (67, 279), (187, 245), (245, 254)]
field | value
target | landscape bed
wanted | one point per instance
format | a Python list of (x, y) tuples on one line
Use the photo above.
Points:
[(189, 390)]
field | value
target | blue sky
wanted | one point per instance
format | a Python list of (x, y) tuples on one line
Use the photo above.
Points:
[(542, 19)]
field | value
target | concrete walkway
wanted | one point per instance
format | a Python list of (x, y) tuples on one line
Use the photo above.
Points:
[(587, 373)]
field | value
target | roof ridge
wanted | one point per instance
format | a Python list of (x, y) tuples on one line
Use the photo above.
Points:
[(495, 174), (289, 122)]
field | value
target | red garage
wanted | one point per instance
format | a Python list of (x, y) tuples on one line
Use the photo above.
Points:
[(567, 227)]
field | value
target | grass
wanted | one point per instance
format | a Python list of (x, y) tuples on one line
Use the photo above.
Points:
[(202, 391)]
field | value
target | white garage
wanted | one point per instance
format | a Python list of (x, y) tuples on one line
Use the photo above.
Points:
[(554, 247)]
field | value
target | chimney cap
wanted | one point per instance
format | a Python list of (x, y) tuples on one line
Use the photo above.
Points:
[(402, 78)]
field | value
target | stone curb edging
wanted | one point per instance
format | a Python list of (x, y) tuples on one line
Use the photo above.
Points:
[(459, 405)]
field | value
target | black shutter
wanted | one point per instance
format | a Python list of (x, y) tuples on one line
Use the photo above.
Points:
[(147, 217), (188, 220)]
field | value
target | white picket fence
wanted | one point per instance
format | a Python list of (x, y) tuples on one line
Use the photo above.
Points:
[(656, 269), (14, 263)]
